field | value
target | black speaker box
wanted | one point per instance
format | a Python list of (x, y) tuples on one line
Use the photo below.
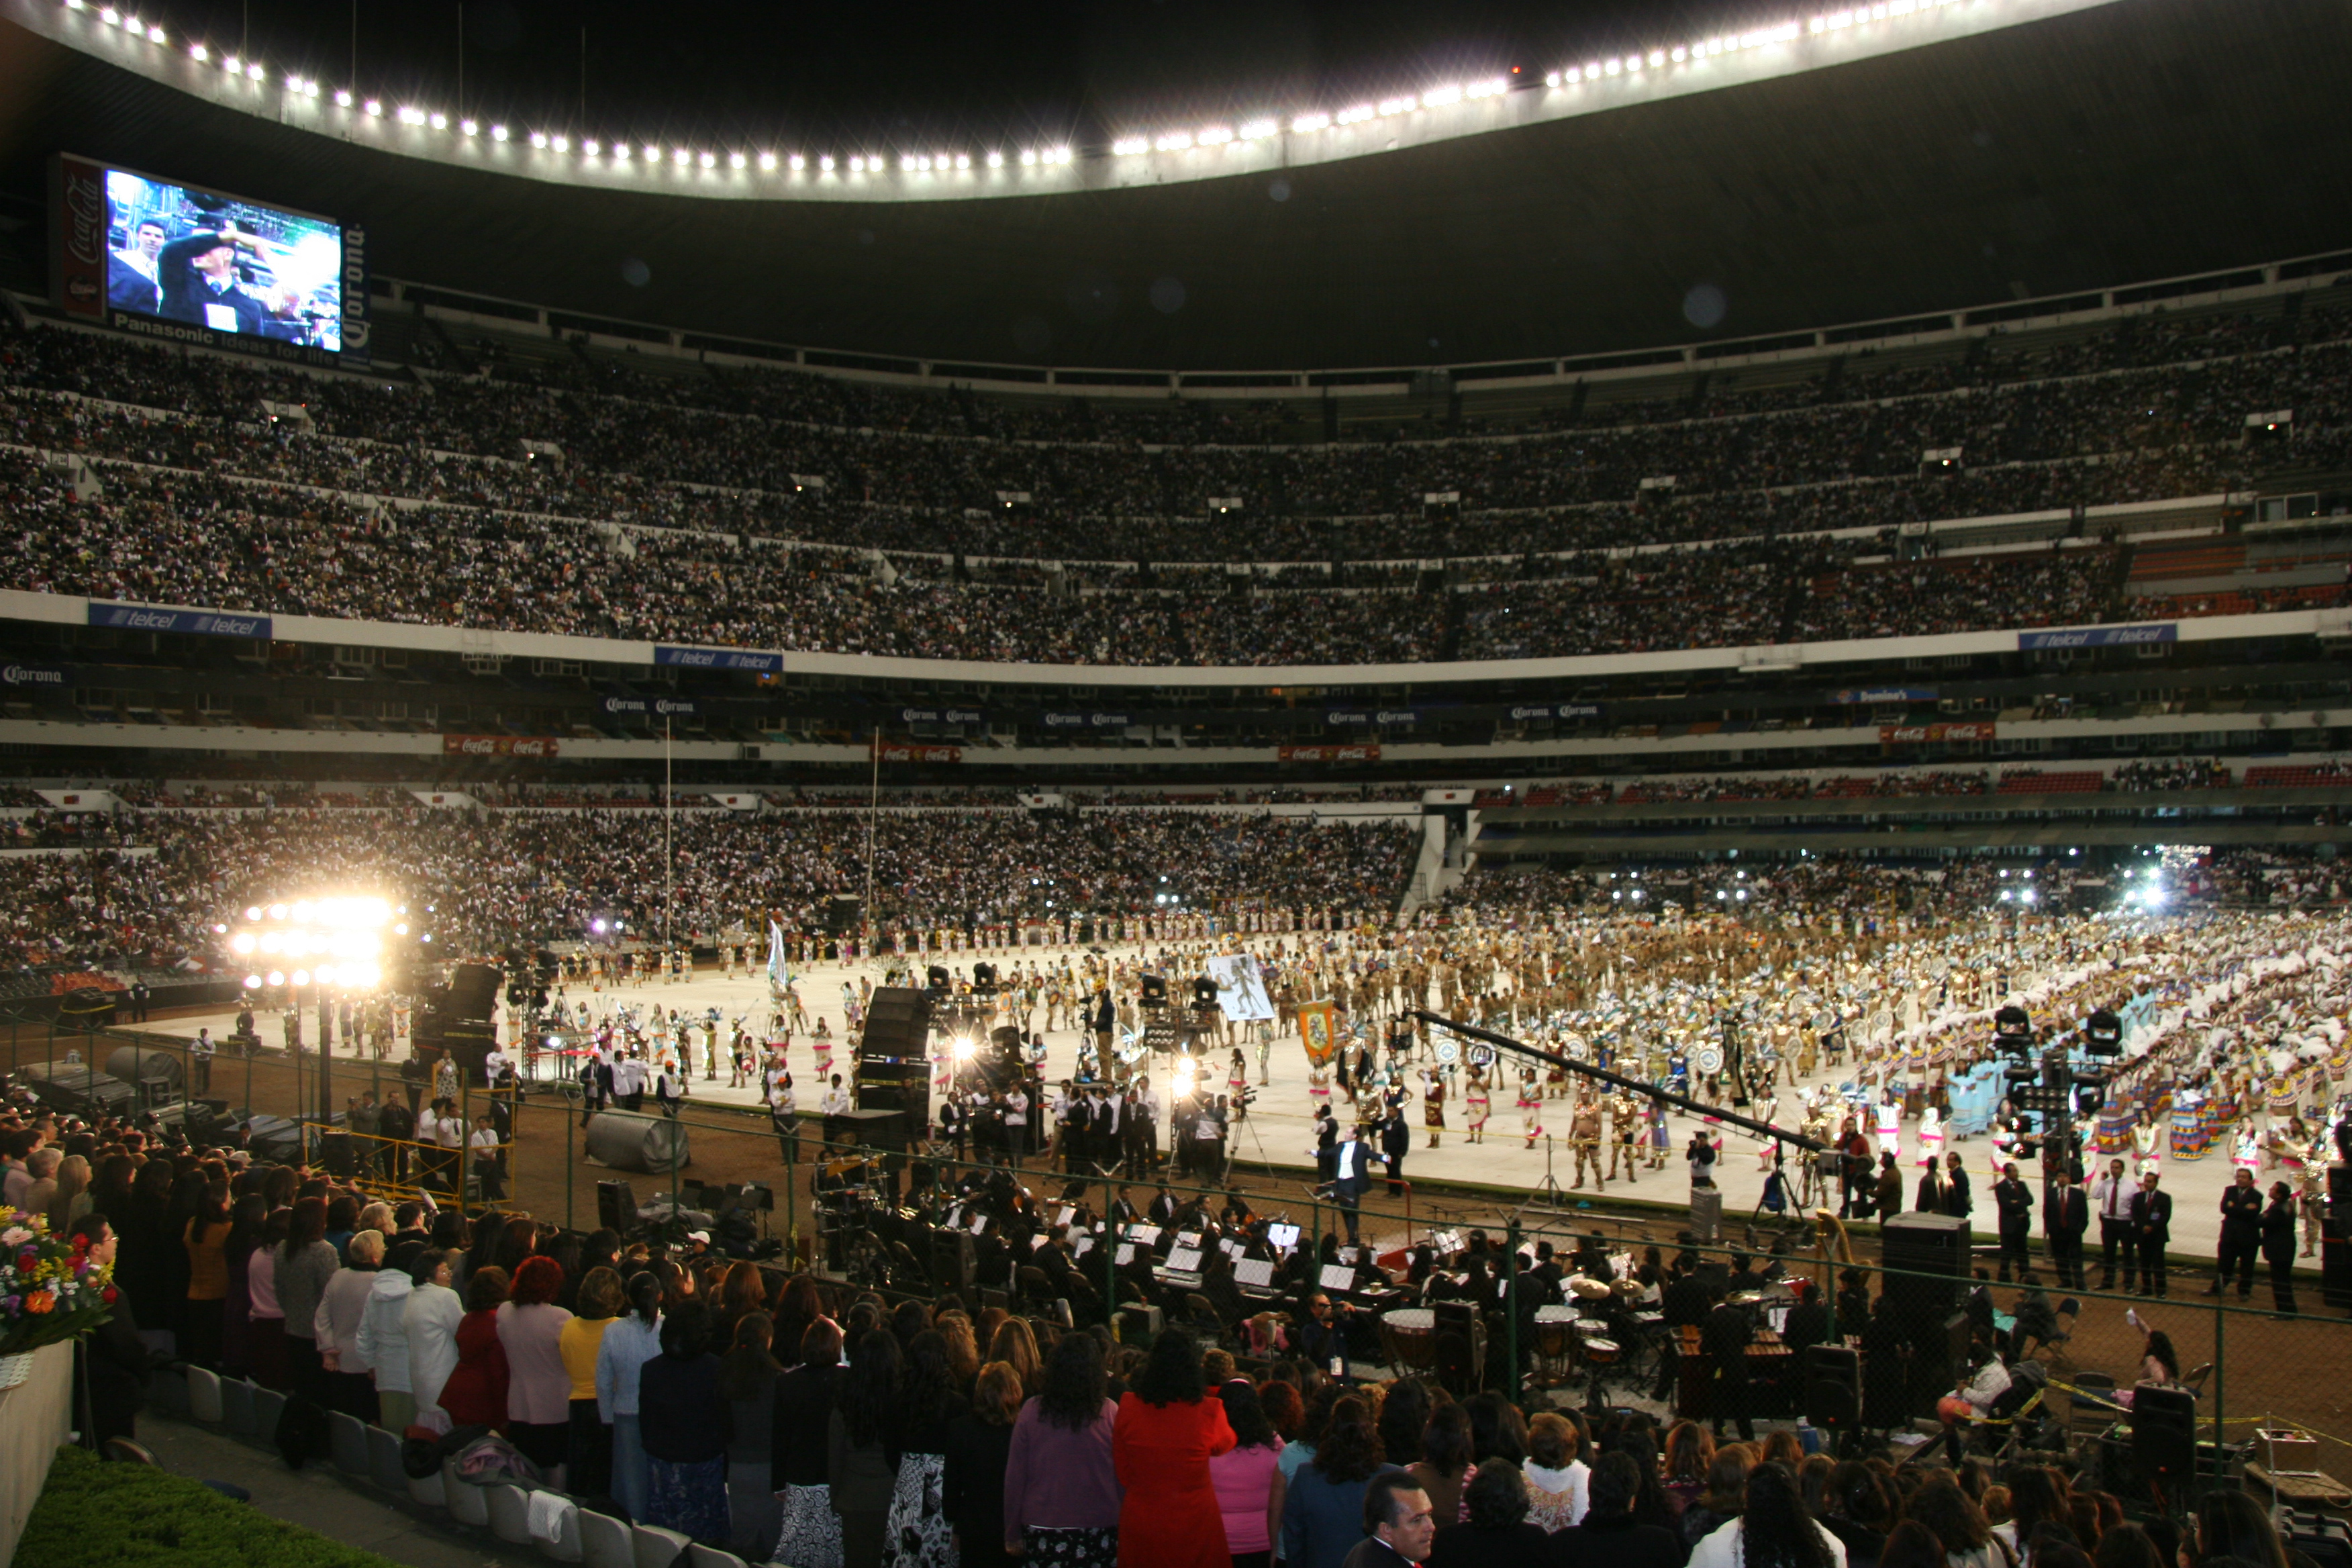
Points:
[(335, 1152), (616, 1207), (897, 1023), (1832, 1387), (1937, 1358), (1926, 1244), (874, 1128), (474, 989), (2336, 1262), (2164, 1435), (911, 1097), (952, 1261)]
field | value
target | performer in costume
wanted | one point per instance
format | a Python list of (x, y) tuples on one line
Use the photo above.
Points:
[(1479, 1105), (1433, 1103), (1531, 1107), (1931, 1136)]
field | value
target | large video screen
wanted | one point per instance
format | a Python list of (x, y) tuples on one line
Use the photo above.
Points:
[(138, 248)]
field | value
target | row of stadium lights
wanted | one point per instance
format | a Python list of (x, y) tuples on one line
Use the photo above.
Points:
[(1259, 130)]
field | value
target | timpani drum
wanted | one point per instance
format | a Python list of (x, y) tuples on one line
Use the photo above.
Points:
[(1554, 1325), (1408, 1335), (1596, 1348)]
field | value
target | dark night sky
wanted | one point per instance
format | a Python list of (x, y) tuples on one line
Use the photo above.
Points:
[(890, 76)]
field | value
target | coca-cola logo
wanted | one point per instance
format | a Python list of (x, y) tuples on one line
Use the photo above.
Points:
[(477, 747), (82, 288), (85, 214)]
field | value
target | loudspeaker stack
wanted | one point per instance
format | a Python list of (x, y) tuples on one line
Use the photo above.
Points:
[(1926, 1257)]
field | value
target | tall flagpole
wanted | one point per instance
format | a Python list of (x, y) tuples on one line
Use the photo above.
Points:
[(669, 857), (873, 809)]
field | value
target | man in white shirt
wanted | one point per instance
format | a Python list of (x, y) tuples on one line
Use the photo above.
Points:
[(2111, 1200), (835, 1103), (1016, 1122), (200, 1063), (629, 1082), (1973, 1400), (489, 1170)]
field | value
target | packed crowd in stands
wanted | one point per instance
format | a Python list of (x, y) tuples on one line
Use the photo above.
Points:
[(513, 880), (2187, 772), (419, 508)]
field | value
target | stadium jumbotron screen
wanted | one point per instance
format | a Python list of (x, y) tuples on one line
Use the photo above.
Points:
[(179, 260)]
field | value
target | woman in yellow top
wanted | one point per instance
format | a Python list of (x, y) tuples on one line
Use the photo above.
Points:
[(205, 1237), (588, 1466)]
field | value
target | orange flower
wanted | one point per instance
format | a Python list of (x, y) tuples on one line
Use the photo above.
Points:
[(39, 1301)]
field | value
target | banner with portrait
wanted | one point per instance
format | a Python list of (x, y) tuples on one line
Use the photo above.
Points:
[(1318, 1031)]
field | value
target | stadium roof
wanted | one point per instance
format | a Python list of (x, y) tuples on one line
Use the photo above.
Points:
[(2088, 148)]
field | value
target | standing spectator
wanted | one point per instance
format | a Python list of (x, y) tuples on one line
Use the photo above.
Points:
[(799, 1451), (1444, 1466), (476, 1392), (429, 1322), (1610, 1535), (683, 1419), (978, 1446), (265, 1326), (1557, 1479), (1166, 1432), (1497, 1534), (1322, 1517), (633, 1339), (2278, 1245), (384, 1345), (1248, 1478), (246, 1221), (72, 1199), (1062, 1494), (346, 1378), (2241, 1234), (748, 1378), (1773, 1528), (207, 1239), (305, 1263), (862, 1435), (539, 1386), (112, 1385), (1690, 1450), (588, 1456), (919, 1533), (1726, 1494)]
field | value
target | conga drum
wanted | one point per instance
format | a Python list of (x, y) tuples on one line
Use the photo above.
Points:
[(1555, 1341)]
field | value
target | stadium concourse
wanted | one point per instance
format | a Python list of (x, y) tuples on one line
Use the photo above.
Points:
[(2214, 999)]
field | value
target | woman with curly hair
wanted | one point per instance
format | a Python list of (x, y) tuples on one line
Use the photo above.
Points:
[(538, 1386), (1168, 1429), (1061, 1488), (1323, 1516)]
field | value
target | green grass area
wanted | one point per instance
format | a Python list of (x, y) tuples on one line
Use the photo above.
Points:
[(95, 1515)]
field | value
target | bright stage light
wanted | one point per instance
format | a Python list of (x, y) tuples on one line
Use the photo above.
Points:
[(963, 1046)]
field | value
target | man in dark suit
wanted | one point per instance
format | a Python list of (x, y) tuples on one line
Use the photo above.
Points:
[(1351, 1177), (112, 1387), (2065, 1215), (1957, 1198), (2016, 1204), (1723, 1339), (1326, 1145), (2241, 1234), (1935, 1190), (2151, 1231), (1396, 1142)]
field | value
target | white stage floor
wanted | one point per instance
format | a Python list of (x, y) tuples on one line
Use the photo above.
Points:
[(1277, 1128)]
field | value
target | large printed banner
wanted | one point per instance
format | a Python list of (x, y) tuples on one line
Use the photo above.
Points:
[(203, 623), (1891, 734), (1369, 752), (1318, 1032), (893, 751), (2100, 637), (719, 658), (1241, 988), (499, 745)]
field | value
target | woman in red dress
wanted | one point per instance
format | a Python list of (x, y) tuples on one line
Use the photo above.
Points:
[(1168, 1429), (476, 1394)]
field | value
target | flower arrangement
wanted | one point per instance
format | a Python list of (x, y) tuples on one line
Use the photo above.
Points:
[(50, 1288)]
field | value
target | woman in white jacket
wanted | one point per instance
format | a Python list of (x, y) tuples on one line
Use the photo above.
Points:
[(1774, 1531), (347, 1383), (384, 1345), (429, 1323)]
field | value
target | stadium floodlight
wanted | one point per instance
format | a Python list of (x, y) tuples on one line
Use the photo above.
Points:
[(1658, 56), (738, 161), (768, 162), (1440, 97), (1310, 123), (1404, 105), (1354, 114), (342, 97), (1061, 155), (825, 165), (232, 65), (1174, 141), (709, 160), (111, 16), (156, 36), (373, 106), (963, 160), (73, 4), (411, 115), (1027, 157), (1215, 136), (1256, 129), (653, 153), (498, 132), (1130, 146), (440, 121), (796, 163), (1680, 54), (254, 73), (857, 165), (590, 147), (199, 54), (464, 127), (997, 160)]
